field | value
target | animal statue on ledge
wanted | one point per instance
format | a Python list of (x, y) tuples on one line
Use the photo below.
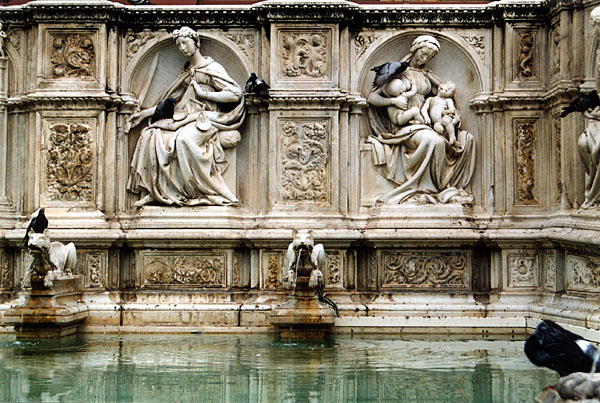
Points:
[(305, 259), (49, 259), (556, 348)]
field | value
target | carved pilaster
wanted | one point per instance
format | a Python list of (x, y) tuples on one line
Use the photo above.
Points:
[(525, 131), (556, 125), (334, 269), (526, 68), (271, 263), (6, 273)]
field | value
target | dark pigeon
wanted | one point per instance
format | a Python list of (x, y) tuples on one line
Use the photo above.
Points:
[(164, 110), (255, 85), (582, 103), (556, 348), (38, 224), (139, 2), (387, 72)]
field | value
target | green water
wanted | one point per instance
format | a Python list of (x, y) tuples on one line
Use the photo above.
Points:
[(257, 368)]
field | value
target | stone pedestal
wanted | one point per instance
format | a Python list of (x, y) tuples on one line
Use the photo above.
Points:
[(48, 312), (302, 316)]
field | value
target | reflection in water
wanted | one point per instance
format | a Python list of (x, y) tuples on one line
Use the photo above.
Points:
[(256, 368)]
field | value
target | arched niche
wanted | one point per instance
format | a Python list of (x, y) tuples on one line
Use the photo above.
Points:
[(453, 63)]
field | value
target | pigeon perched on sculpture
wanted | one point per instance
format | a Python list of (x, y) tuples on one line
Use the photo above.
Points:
[(386, 72), (582, 103), (164, 110), (556, 348), (38, 224), (257, 86)]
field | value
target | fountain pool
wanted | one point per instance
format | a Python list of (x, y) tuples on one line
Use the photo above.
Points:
[(259, 368)]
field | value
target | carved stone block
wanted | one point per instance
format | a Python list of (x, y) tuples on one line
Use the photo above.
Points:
[(271, 262), (69, 161), (431, 269), (304, 160), (6, 271), (523, 269), (526, 56), (550, 270), (583, 273), (182, 269), (334, 269), (525, 160), (305, 56), (93, 266)]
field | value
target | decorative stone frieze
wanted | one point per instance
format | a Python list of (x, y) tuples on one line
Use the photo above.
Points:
[(525, 59), (362, 42), (583, 273), (305, 55), (426, 269), (523, 270), (72, 56), (478, 43), (245, 42), (6, 275), (93, 266), (187, 269), (305, 161), (69, 161), (271, 263), (525, 159)]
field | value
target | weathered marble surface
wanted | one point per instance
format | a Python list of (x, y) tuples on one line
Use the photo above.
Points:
[(518, 248)]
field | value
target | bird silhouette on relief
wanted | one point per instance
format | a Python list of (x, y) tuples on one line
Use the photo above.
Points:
[(387, 72), (256, 85), (38, 224), (164, 110)]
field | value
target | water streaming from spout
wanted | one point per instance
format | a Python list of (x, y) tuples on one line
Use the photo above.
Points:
[(297, 263)]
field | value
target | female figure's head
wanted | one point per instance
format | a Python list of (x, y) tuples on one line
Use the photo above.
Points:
[(423, 49), (187, 40)]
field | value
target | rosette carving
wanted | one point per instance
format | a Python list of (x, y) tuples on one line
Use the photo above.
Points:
[(69, 167), (72, 56)]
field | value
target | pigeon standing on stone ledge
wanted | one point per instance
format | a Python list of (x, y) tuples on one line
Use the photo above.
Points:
[(582, 103), (256, 85), (38, 224)]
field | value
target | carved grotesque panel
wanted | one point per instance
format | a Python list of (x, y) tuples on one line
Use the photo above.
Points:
[(426, 269), (583, 273), (93, 265), (72, 56), (136, 40), (549, 263), (304, 151), (525, 132), (334, 269), (271, 263), (183, 269), (6, 275), (526, 66), (523, 270), (69, 161)]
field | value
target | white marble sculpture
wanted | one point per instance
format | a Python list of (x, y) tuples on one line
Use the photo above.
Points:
[(50, 259), (303, 257), (427, 162), (2, 37), (180, 161)]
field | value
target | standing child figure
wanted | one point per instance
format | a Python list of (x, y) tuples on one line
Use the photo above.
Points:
[(442, 113)]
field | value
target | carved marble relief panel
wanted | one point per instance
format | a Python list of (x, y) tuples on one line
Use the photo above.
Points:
[(526, 56), (583, 273), (134, 41), (271, 262), (362, 41), (555, 45), (525, 158), (305, 56), (93, 265), (522, 269), (549, 264), (477, 42), (69, 161), (245, 42), (425, 269), (72, 53), (6, 271), (304, 166), (182, 269), (556, 130), (334, 269)]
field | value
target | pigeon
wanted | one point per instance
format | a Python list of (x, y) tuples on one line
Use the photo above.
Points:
[(256, 85), (139, 2), (164, 110), (387, 72), (560, 350), (582, 103), (38, 224)]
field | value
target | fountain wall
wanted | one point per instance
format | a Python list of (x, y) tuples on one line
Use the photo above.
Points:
[(518, 248)]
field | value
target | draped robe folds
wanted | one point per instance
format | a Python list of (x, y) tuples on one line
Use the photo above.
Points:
[(180, 161), (589, 149), (418, 159)]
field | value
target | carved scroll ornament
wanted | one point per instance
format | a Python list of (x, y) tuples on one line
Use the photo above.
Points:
[(304, 55), (72, 56)]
